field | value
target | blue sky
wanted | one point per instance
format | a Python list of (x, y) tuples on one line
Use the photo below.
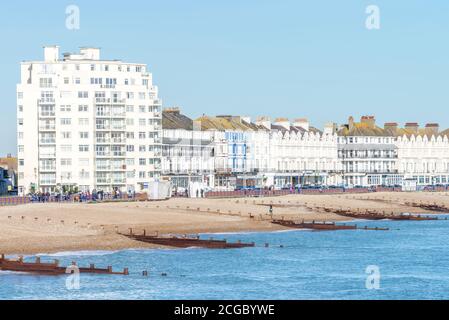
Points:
[(311, 59)]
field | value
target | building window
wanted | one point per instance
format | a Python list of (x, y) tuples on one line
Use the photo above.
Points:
[(66, 108), (66, 148), (66, 121), (83, 121), (84, 135), (84, 148), (83, 108), (19, 95), (66, 162), (83, 94), (66, 135)]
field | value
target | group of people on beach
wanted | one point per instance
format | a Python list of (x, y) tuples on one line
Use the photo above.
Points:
[(43, 197)]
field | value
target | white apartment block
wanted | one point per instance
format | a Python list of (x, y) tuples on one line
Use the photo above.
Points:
[(86, 123)]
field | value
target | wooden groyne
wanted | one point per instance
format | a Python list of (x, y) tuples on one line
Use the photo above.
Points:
[(370, 215), (52, 268), (187, 242), (322, 226), (433, 207)]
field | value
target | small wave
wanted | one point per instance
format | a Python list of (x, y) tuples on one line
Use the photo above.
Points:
[(78, 253), (7, 273), (249, 232)]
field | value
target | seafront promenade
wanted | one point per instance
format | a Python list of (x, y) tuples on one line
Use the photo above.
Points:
[(7, 201)]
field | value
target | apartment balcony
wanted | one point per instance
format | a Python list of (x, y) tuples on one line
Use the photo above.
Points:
[(103, 141), (118, 141), (118, 113), (118, 101), (103, 114), (47, 141), (118, 154), (103, 168), (102, 181), (46, 101), (108, 86), (47, 155), (47, 114), (102, 100), (103, 127), (119, 168), (47, 128), (118, 128), (108, 101), (47, 183), (119, 181), (103, 154)]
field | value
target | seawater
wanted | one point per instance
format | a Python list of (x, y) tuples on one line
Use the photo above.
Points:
[(413, 260)]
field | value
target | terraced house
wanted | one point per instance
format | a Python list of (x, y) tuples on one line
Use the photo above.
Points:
[(374, 156)]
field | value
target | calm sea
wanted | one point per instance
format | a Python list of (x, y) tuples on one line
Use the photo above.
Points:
[(412, 260)]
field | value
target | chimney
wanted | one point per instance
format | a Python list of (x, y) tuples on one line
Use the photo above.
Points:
[(351, 123), (51, 53), (264, 121), (302, 123), (391, 126), (432, 128), (174, 110), (412, 126), (368, 120), (330, 128), (283, 122)]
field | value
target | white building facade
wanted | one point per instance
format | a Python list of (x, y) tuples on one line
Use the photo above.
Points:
[(187, 151), (86, 123), (424, 156)]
